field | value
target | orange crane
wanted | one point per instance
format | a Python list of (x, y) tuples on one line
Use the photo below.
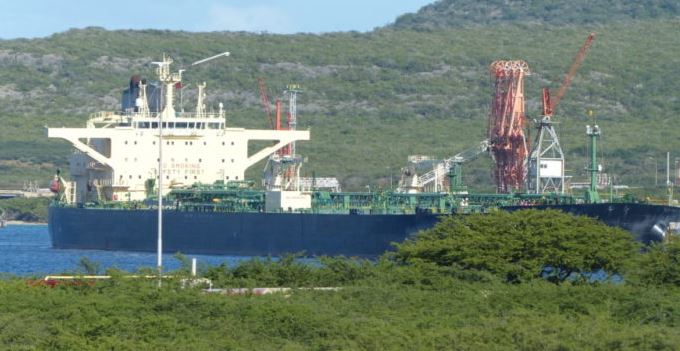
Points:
[(545, 165), (549, 105), (265, 101)]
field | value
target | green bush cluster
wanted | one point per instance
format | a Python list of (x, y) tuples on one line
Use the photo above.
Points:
[(660, 264), (523, 245)]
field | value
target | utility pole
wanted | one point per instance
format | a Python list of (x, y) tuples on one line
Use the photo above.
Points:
[(592, 195), (668, 169), (656, 172)]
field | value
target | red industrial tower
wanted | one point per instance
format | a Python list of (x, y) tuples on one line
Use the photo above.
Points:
[(506, 125)]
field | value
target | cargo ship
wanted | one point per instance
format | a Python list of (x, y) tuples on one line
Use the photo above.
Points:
[(148, 158)]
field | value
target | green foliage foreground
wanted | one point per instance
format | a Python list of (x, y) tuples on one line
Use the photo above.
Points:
[(523, 245), (394, 303)]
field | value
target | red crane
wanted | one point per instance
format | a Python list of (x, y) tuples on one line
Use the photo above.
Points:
[(549, 105), (509, 145), (265, 101)]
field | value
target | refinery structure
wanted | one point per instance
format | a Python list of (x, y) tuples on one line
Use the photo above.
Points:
[(519, 164)]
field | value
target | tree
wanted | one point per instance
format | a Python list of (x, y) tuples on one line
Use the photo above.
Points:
[(660, 264), (523, 245)]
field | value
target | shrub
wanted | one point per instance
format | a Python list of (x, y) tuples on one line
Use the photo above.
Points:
[(659, 265), (523, 245)]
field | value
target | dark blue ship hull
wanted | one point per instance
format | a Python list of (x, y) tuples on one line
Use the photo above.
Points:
[(646, 222), (257, 234), (251, 234)]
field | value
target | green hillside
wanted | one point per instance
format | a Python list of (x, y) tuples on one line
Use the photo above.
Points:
[(370, 99), (456, 13)]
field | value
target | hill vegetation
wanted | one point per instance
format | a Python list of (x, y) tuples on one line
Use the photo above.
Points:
[(25, 209), (370, 99), (457, 13)]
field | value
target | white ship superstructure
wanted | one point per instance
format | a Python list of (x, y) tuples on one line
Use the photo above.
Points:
[(116, 155)]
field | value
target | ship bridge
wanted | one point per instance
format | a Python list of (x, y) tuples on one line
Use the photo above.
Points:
[(116, 155)]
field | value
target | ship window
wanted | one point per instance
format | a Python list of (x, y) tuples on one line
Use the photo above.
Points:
[(135, 143), (186, 160), (185, 177), (232, 143), (144, 125), (154, 143), (125, 142), (195, 177), (232, 160), (204, 143), (167, 143), (222, 160), (181, 125), (172, 143), (186, 143), (236, 177), (200, 125), (227, 177), (130, 176), (192, 125), (139, 177), (213, 125), (167, 177), (200, 160), (223, 143), (164, 124), (191, 143), (154, 125)]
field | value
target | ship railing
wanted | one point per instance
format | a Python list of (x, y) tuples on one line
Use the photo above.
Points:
[(110, 117), (103, 182), (122, 117)]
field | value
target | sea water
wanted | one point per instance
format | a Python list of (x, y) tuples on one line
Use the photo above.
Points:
[(25, 250)]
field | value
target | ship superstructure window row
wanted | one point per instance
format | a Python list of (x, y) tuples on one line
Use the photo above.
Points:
[(180, 125)]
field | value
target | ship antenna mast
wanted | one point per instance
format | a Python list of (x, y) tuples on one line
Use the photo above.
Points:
[(292, 92), (143, 102), (200, 106)]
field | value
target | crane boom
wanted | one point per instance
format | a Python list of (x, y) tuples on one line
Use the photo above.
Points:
[(265, 101), (572, 72), (440, 170)]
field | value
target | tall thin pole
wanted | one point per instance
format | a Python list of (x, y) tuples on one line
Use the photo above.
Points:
[(159, 261), (591, 195), (656, 173), (668, 168)]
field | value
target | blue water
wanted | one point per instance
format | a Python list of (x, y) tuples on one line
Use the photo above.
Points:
[(25, 250)]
